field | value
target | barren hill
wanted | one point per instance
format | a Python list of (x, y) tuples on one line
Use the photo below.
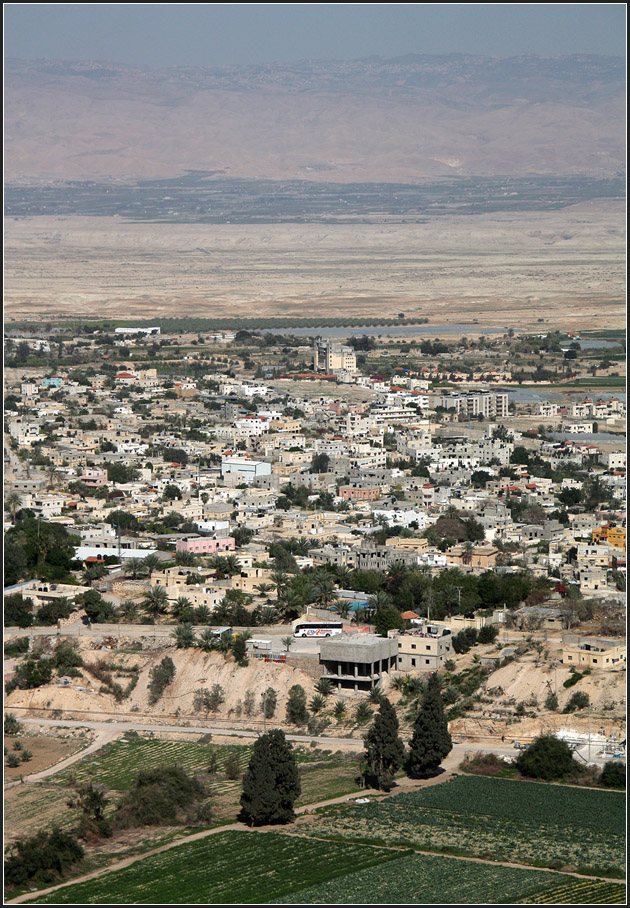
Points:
[(375, 119)]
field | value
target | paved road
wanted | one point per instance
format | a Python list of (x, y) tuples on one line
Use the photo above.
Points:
[(119, 727)]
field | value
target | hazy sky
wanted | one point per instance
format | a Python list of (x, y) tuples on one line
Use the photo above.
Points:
[(216, 34)]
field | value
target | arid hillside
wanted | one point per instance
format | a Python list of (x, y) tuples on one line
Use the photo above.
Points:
[(402, 119)]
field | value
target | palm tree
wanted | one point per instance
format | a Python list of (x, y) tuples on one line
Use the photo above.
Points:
[(325, 587), (13, 503), (280, 580), (185, 559), (208, 640), (302, 546), (135, 567), (184, 635), (151, 563), (156, 602), (182, 607), (343, 574), (52, 476), (342, 608), (378, 600), (286, 642), (202, 614), (324, 687), (263, 588), (267, 615), (467, 553), (128, 609), (232, 565)]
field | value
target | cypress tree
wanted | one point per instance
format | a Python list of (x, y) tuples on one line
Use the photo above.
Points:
[(384, 750), (431, 741), (271, 782)]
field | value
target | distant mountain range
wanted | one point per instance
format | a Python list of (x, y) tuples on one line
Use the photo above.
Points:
[(374, 119)]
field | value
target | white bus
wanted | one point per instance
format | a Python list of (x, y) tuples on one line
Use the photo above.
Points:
[(318, 628)]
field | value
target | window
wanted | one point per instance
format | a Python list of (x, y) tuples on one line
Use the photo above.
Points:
[(428, 646), (427, 662), (413, 645), (413, 663)]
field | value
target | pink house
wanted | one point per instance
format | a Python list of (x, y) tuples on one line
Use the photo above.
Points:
[(93, 477), (205, 545)]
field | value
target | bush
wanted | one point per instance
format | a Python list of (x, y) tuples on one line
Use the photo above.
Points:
[(43, 857), (11, 725), (161, 675), (13, 760), (67, 656), (579, 700), (16, 647), (296, 705), (551, 702), (547, 758), (613, 775), (488, 634), (166, 796), (573, 679)]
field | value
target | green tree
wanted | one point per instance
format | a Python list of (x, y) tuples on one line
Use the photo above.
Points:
[(271, 783), (184, 635), (296, 705), (613, 775), (384, 750), (156, 601), (547, 758), (431, 741)]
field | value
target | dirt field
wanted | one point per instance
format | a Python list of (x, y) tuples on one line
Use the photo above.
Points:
[(563, 267), (46, 749)]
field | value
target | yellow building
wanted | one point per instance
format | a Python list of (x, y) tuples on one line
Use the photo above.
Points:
[(613, 535)]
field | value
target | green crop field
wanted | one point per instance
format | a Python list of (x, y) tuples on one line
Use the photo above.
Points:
[(497, 819), (580, 892), (117, 764), (228, 868), (425, 879)]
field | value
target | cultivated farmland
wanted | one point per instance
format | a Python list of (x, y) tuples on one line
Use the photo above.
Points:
[(228, 868), (500, 820), (581, 892), (428, 879)]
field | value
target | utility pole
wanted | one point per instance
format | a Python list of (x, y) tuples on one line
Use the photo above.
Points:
[(589, 732), (265, 713)]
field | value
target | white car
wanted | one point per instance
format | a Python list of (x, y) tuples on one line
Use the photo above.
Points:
[(362, 801)]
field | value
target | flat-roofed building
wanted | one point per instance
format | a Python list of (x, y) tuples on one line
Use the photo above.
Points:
[(357, 662)]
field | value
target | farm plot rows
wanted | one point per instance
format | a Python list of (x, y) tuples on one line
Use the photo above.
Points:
[(425, 879), (117, 764), (580, 892), (227, 868), (494, 819), (30, 808)]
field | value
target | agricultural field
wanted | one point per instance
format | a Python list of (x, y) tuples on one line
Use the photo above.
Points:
[(228, 868), (428, 879), (495, 819), (30, 808), (580, 892)]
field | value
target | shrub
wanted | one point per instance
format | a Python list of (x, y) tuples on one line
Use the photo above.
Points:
[(579, 700), (16, 647), (161, 675), (67, 656), (43, 857), (547, 758), (296, 705), (13, 760), (11, 725), (164, 796), (613, 775), (270, 701)]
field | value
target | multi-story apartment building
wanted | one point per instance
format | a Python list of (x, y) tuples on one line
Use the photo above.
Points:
[(332, 356), (490, 404)]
